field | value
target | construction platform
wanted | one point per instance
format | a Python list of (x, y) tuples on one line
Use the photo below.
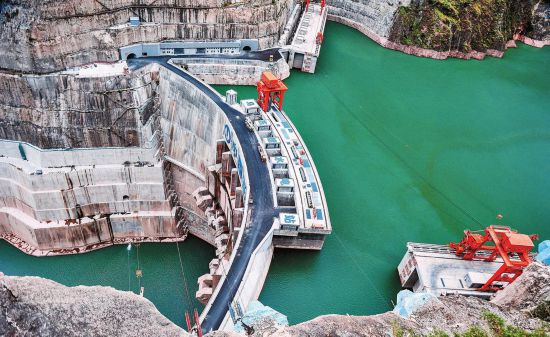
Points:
[(306, 44), (437, 270)]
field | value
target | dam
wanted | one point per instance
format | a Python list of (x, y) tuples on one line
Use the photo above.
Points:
[(244, 195), (285, 259)]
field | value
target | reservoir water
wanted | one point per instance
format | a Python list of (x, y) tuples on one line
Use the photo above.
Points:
[(408, 149)]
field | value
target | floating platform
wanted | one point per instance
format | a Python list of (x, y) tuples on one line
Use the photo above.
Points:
[(437, 270)]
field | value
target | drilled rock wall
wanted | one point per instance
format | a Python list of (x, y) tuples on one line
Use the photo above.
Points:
[(64, 110), (45, 36)]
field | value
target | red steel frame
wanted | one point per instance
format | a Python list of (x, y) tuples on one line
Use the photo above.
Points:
[(271, 90), (506, 242)]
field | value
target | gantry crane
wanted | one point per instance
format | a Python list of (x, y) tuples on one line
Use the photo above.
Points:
[(512, 247), (271, 90)]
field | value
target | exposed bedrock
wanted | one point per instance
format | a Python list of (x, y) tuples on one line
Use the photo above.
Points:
[(45, 36), (32, 306), (63, 110), (441, 29), (468, 25)]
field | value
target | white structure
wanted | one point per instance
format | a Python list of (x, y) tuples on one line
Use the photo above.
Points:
[(437, 270), (306, 45)]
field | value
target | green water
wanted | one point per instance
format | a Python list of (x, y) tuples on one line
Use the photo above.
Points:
[(115, 266), (408, 149)]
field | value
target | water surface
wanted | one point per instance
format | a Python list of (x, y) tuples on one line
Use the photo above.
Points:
[(408, 149)]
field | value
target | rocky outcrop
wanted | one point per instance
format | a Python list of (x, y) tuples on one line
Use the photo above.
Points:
[(531, 294), (67, 110), (46, 36), (444, 316), (32, 306), (463, 26), (447, 28)]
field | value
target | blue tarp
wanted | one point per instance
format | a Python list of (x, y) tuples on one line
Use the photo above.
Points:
[(408, 302), (257, 312), (544, 252)]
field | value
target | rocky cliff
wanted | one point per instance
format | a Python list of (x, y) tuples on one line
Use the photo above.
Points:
[(31, 306), (447, 28), (466, 25), (67, 110), (50, 35), (36, 307)]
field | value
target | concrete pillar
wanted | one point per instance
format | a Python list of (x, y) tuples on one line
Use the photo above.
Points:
[(239, 198), (235, 181), (291, 59), (237, 217), (220, 148), (227, 164)]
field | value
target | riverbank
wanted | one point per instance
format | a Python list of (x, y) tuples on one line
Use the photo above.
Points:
[(434, 54)]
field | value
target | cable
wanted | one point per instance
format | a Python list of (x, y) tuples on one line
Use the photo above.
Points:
[(365, 274), (189, 302), (401, 159)]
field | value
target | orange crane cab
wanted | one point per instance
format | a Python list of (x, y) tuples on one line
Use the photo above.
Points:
[(512, 247)]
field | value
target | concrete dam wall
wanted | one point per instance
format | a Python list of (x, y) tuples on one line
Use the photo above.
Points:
[(74, 199), (192, 125), (46, 36)]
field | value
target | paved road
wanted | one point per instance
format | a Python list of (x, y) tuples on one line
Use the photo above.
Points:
[(263, 210)]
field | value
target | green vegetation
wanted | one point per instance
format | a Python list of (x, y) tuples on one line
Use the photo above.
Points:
[(397, 330), (497, 328), (542, 311), (463, 25)]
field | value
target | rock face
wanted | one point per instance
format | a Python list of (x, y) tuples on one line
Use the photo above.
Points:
[(64, 110), (46, 36), (447, 28), (31, 306), (450, 315), (530, 293), (464, 26)]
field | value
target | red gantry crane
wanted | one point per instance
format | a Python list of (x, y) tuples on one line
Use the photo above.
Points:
[(271, 90), (502, 241)]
